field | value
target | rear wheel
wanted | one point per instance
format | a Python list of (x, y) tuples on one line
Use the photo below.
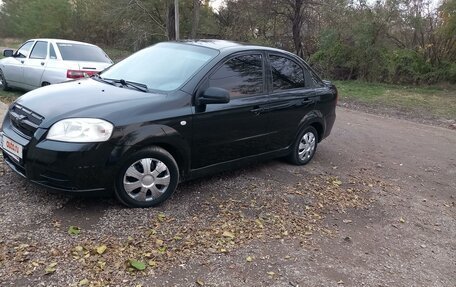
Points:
[(147, 178), (305, 146), (3, 83)]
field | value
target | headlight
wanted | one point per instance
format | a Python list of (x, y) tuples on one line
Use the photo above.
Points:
[(81, 130)]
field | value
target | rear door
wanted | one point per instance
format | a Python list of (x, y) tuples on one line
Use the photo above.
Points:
[(225, 132), (35, 65), (292, 97)]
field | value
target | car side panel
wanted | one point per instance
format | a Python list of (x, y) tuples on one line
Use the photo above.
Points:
[(285, 110)]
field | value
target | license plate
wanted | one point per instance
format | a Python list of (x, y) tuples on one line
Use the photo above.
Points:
[(12, 147)]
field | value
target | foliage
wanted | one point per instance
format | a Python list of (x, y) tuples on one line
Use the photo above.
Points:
[(123, 24), (25, 18), (394, 41)]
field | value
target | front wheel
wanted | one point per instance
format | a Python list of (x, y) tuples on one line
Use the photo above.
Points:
[(3, 84), (304, 147), (147, 178)]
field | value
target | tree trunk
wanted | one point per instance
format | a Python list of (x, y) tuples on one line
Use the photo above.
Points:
[(195, 19), (296, 27), (170, 26)]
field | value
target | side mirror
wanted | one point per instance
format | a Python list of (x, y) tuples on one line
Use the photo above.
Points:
[(8, 53), (213, 95)]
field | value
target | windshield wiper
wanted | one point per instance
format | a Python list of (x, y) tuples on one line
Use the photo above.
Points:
[(99, 78), (138, 86)]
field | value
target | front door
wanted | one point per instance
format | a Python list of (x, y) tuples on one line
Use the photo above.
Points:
[(13, 69), (225, 132)]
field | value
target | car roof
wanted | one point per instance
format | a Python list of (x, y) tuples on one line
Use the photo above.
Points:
[(61, 41), (232, 46)]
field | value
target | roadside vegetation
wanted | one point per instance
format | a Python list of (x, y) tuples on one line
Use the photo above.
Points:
[(419, 101), (398, 41)]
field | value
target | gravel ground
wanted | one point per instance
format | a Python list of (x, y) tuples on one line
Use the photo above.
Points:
[(376, 207)]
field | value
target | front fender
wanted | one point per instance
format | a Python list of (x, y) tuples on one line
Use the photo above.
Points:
[(139, 137)]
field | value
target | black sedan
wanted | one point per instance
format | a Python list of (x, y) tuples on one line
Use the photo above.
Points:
[(169, 113)]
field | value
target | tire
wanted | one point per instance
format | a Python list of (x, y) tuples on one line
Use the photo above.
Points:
[(305, 146), (137, 187), (3, 83)]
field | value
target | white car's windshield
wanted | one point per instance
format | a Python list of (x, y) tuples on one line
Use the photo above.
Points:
[(164, 67)]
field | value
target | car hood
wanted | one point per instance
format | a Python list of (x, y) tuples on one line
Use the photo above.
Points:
[(85, 98)]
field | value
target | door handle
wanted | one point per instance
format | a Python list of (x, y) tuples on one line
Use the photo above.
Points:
[(307, 101), (22, 61), (257, 110), (42, 63)]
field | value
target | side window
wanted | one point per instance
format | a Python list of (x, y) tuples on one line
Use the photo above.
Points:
[(24, 50), (315, 79), (241, 76), (39, 51), (52, 54), (286, 74)]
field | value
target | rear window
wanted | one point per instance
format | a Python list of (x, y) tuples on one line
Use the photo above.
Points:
[(81, 52)]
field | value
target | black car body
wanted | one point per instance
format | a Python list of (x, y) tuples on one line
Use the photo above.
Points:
[(243, 104)]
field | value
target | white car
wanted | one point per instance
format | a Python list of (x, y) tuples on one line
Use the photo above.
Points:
[(41, 62)]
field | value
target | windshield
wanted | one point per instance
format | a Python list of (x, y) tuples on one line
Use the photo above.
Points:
[(164, 67), (81, 52)]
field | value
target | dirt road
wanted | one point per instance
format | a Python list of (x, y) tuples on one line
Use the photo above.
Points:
[(376, 207)]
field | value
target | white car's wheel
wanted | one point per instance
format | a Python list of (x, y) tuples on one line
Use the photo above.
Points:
[(3, 83)]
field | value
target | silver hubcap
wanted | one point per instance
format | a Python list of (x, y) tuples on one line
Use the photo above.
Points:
[(146, 180), (306, 146)]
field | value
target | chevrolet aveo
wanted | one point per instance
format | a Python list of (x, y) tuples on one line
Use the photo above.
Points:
[(168, 113)]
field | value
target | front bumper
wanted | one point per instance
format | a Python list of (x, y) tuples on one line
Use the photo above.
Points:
[(77, 167)]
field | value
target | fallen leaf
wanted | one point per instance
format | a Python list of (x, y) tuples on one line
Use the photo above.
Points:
[(336, 182), (79, 248), (83, 282), (200, 282), (270, 273), (74, 230), (138, 265), (152, 263), (259, 223), (402, 220), (228, 234), (101, 249), (51, 268), (249, 259), (161, 216)]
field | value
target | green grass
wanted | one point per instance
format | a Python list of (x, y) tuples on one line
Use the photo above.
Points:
[(9, 96), (433, 101)]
